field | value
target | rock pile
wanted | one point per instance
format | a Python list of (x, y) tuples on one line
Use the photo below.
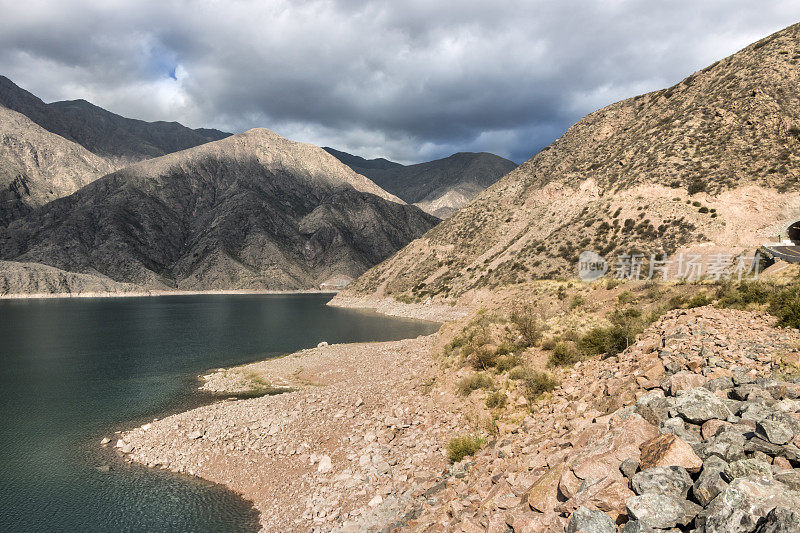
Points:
[(689, 429)]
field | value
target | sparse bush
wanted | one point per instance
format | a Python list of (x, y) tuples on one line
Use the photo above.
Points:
[(577, 301), (538, 383), (698, 300), (530, 327), (519, 372), (626, 297), (549, 343), (594, 342), (785, 304), (741, 295), (495, 399), (473, 382), (483, 357), (697, 185), (462, 446), (625, 326), (505, 363), (564, 354)]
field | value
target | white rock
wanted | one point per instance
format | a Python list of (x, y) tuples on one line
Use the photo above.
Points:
[(376, 501), (322, 344), (325, 465)]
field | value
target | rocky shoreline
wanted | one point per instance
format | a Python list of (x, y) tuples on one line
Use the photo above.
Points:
[(153, 293), (693, 416)]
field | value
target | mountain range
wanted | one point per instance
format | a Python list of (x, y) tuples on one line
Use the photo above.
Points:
[(120, 140), (253, 210), (708, 165), (439, 187)]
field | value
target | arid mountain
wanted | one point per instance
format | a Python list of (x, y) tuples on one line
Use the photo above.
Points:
[(359, 163), (708, 164), (119, 139), (439, 187), (253, 210), (37, 166), (33, 278)]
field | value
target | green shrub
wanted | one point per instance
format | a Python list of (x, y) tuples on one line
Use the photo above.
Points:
[(611, 340), (462, 446), (741, 295), (505, 363), (564, 354), (473, 382), (785, 305), (697, 185), (538, 383), (577, 301), (626, 297), (483, 357), (698, 300), (530, 327), (549, 343), (519, 372), (594, 341), (495, 399)]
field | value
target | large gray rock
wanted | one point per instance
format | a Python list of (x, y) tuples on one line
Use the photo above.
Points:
[(790, 478), (744, 503), (746, 468), (727, 445), (710, 482), (781, 520), (698, 405), (774, 431), (668, 480), (660, 511), (590, 521)]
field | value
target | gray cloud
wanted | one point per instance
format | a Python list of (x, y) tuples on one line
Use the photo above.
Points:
[(409, 80)]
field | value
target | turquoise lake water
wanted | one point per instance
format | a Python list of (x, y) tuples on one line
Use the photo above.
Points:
[(75, 370)]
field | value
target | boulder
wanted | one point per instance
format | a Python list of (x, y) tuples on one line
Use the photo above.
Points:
[(790, 478), (629, 467), (590, 521), (660, 511), (744, 504), (684, 380), (669, 450), (774, 431), (747, 467), (780, 520), (668, 480), (543, 494), (699, 404), (710, 483), (727, 445)]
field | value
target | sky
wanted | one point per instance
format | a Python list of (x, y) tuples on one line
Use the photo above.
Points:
[(407, 80)]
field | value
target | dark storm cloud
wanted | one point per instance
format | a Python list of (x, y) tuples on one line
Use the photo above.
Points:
[(410, 80)]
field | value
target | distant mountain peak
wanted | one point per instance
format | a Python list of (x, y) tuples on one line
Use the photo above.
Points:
[(439, 187), (119, 139)]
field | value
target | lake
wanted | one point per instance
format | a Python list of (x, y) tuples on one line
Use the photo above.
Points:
[(75, 370)]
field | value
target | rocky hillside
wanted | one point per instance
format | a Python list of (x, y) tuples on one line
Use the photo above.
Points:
[(693, 428), (710, 162), (37, 166), (253, 210), (440, 187), (31, 278), (119, 139)]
